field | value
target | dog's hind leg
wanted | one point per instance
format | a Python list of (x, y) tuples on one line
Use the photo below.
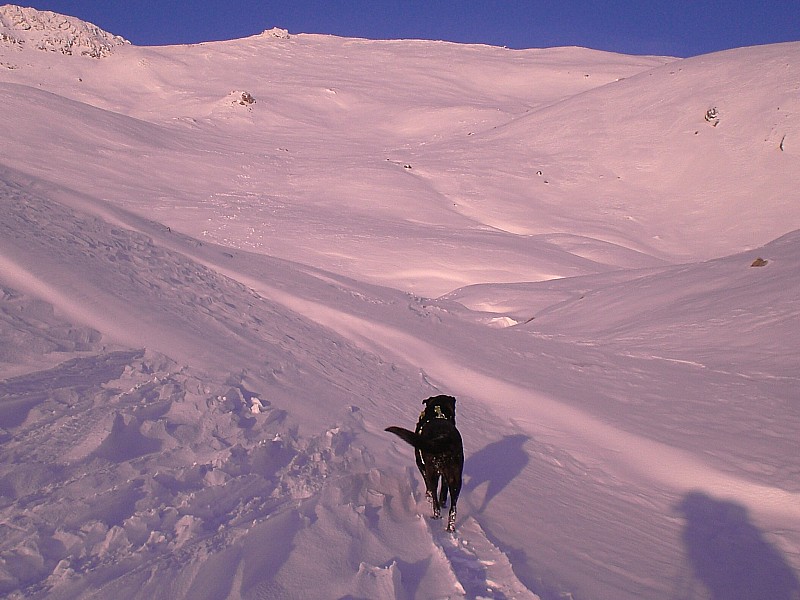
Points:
[(454, 483), (419, 461), (432, 483)]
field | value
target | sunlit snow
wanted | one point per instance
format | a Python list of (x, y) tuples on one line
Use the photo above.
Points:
[(227, 267)]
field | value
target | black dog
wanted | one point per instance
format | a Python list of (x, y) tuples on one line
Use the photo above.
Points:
[(439, 453)]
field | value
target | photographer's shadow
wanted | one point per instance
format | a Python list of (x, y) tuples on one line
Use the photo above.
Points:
[(498, 464), (729, 554)]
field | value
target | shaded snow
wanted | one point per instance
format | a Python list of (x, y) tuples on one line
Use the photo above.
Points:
[(557, 237)]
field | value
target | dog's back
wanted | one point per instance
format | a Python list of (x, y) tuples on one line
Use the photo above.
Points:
[(441, 437), (439, 452), (437, 437)]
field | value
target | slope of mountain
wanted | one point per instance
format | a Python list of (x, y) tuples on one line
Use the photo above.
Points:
[(226, 267)]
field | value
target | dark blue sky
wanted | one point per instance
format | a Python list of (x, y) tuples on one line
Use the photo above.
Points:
[(666, 27)]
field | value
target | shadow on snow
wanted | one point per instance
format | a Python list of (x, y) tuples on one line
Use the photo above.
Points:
[(730, 555), (498, 464)]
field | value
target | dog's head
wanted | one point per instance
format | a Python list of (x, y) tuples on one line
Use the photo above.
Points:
[(439, 407)]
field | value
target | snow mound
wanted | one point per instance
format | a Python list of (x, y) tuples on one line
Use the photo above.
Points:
[(45, 30)]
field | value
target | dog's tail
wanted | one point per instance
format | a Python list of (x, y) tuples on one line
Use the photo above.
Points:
[(412, 438)]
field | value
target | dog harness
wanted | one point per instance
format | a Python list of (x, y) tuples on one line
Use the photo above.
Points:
[(438, 414)]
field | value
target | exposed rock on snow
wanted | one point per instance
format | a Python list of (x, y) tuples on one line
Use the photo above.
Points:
[(712, 116), (22, 27), (242, 98), (277, 32)]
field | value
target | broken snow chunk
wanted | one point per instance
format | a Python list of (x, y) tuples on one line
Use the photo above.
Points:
[(156, 539), (63, 572), (215, 477), (256, 406), (94, 532), (115, 540), (185, 528), (374, 581), (25, 563), (137, 529)]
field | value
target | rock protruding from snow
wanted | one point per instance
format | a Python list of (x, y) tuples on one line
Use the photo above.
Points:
[(45, 30), (277, 32), (242, 98)]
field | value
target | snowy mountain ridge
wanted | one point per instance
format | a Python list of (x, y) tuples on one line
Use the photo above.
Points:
[(22, 27), (211, 308)]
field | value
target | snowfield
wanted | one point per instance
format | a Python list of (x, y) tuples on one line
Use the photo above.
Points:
[(225, 268)]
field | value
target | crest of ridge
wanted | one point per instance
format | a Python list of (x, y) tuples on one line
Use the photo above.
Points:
[(24, 28)]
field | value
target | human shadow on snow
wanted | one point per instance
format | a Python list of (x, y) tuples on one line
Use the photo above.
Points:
[(730, 555), (498, 464)]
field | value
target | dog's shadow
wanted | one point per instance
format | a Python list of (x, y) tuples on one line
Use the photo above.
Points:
[(498, 464)]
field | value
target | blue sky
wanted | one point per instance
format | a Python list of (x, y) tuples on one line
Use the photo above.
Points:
[(675, 27)]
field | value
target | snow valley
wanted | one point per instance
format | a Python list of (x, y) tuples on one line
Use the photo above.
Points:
[(226, 267)]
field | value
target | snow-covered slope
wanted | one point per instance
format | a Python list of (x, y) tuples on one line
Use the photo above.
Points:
[(645, 150), (226, 267)]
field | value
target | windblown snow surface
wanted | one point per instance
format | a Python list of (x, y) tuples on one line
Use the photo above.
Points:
[(226, 267)]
